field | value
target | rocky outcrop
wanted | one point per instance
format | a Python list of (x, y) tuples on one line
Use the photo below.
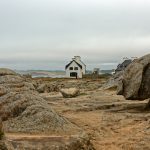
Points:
[(70, 92), (113, 81), (2, 143), (81, 142), (23, 110), (1, 132), (49, 87), (135, 83), (4, 71)]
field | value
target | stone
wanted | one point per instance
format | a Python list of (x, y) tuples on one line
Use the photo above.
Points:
[(1, 125), (119, 87), (3, 91), (113, 81), (70, 92), (23, 110), (48, 87), (4, 71), (41, 88), (136, 79), (81, 142)]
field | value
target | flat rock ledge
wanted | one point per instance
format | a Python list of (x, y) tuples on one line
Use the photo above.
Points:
[(81, 142)]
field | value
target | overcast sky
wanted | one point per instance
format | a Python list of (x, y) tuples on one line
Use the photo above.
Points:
[(46, 34)]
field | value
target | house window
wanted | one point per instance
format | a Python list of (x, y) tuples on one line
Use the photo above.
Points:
[(73, 74), (75, 68), (71, 68)]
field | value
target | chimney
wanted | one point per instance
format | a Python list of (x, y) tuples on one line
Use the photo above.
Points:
[(77, 58)]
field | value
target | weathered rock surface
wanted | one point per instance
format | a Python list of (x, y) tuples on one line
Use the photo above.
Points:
[(70, 92), (1, 132), (2, 145), (3, 91), (23, 110), (136, 79), (4, 71), (54, 85), (81, 142), (48, 87), (114, 81)]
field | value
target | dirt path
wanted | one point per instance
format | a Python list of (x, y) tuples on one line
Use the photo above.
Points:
[(112, 122)]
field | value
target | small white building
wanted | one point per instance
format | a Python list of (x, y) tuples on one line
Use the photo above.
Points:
[(76, 68)]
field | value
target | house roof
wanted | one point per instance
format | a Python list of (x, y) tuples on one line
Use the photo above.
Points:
[(71, 63), (83, 63), (120, 67)]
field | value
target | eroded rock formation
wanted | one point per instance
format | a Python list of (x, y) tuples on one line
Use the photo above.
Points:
[(23, 110), (135, 83)]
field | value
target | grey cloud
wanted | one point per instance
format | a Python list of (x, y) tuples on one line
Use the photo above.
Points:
[(35, 33)]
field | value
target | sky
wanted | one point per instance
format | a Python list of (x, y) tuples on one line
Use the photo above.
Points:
[(46, 34)]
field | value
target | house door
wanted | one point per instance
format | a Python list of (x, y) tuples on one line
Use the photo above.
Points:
[(73, 74)]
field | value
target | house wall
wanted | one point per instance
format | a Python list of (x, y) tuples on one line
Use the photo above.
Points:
[(79, 71), (82, 64)]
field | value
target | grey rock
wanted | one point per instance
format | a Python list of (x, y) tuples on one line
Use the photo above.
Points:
[(114, 81), (120, 87), (70, 92), (4, 71), (136, 79), (41, 88), (3, 91), (22, 109)]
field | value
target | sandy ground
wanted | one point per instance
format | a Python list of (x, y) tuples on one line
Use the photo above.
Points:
[(112, 122)]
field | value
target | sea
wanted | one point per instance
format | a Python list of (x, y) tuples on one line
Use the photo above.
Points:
[(42, 73), (52, 74)]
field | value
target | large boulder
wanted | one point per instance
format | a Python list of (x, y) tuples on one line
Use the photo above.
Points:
[(23, 110), (70, 92), (135, 83)]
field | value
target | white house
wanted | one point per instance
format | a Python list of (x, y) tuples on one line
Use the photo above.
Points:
[(76, 68)]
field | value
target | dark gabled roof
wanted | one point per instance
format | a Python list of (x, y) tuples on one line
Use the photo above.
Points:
[(71, 63), (83, 63), (122, 66)]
